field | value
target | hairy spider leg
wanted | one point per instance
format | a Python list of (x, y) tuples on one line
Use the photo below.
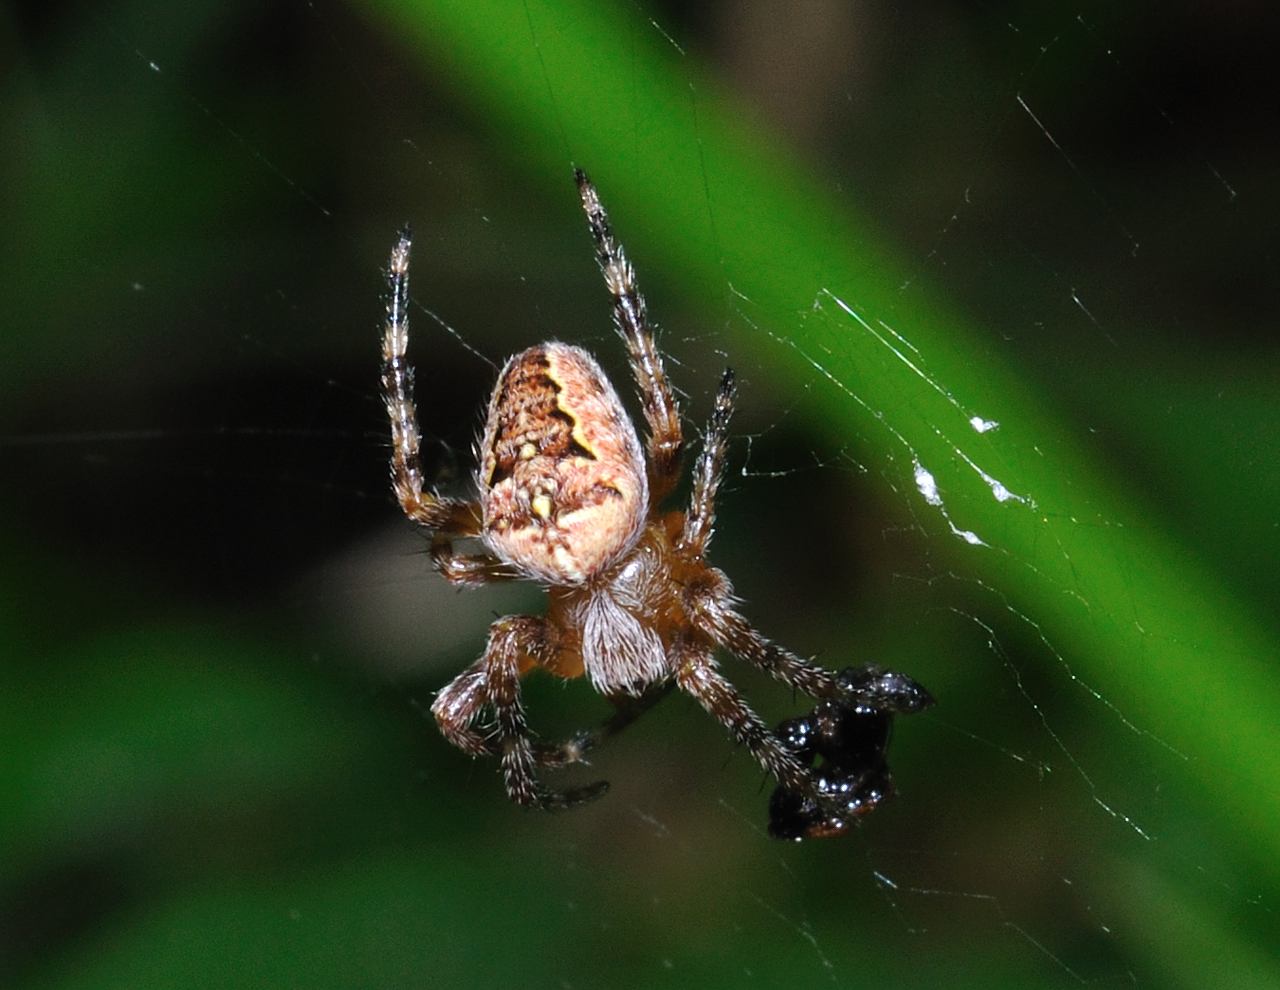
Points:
[(460, 702), (729, 629), (514, 642), (445, 517), (661, 412), (697, 675), (712, 603), (707, 472), (666, 444), (457, 706)]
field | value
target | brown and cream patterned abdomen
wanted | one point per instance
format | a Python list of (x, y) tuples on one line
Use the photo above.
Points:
[(562, 476)]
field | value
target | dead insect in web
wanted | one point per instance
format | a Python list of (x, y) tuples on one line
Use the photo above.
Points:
[(569, 497), (850, 736)]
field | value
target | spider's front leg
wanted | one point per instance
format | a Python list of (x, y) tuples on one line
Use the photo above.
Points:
[(868, 686), (457, 707), (697, 675), (714, 615), (494, 681), (710, 602), (461, 702)]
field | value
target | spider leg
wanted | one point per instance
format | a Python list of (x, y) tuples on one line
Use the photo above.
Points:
[(714, 615), (460, 702), (708, 471), (468, 570), (510, 640), (711, 605), (458, 705), (698, 676), (446, 515), (666, 438)]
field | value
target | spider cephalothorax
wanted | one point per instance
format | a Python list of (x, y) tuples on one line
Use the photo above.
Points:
[(568, 497)]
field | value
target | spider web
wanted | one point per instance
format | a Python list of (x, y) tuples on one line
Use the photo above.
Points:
[(1019, 447)]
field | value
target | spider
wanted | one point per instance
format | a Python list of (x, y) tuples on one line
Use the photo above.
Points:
[(569, 498)]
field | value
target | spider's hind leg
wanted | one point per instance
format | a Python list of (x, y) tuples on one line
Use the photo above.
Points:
[(419, 504), (661, 411), (708, 471)]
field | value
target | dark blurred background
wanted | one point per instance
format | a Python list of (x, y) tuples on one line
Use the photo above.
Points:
[(220, 638)]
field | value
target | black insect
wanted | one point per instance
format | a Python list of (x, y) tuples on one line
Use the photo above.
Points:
[(849, 734)]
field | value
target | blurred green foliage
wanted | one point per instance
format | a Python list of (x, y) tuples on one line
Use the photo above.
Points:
[(213, 781)]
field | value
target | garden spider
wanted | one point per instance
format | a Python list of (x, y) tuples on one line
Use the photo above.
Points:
[(568, 498)]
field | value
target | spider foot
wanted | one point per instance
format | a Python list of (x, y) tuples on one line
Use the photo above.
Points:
[(850, 735)]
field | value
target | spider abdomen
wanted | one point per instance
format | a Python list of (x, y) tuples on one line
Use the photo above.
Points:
[(562, 478)]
